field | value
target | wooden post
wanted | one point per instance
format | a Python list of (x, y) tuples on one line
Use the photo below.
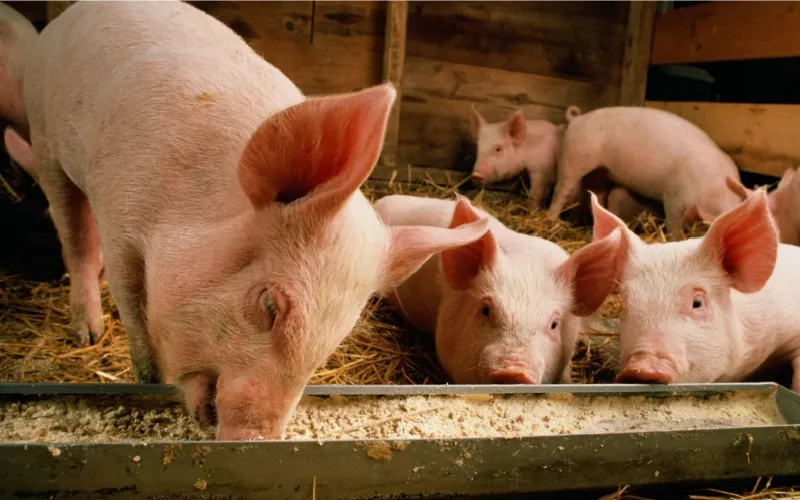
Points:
[(393, 58), (638, 38), (56, 8)]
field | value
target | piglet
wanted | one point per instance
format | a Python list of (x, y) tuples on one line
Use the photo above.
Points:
[(237, 244), (784, 204), (17, 36), (505, 308), (505, 149), (651, 152), (720, 308)]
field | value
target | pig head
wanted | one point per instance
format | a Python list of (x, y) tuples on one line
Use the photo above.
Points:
[(244, 312), (505, 149), (679, 323)]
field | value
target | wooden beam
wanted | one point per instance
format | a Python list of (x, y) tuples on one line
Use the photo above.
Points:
[(761, 138), (727, 31), (637, 52), (54, 9), (393, 59)]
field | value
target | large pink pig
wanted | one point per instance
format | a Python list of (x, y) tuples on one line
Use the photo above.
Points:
[(17, 36), (237, 244), (506, 308), (720, 308), (654, 153), (784, 204)]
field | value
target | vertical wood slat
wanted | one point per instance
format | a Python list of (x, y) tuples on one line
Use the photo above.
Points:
[(393, 61), (638, 39)]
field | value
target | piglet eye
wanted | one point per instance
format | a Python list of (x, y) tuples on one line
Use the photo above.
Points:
[(554, 324), (698, 302), (498, 149), (271, 308), (485, 310)]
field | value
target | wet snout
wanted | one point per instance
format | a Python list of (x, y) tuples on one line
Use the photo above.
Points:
[(513, 369), (647, 369), (511, 376)]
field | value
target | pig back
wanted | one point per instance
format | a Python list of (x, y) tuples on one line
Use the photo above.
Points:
[(147, 107)]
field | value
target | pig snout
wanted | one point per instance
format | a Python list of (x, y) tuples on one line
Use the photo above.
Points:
[(647, 369), (481, 172), (511, 376)]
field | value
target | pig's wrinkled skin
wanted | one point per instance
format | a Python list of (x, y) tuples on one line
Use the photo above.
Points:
[(784, 204), (654, 153), (506, 308), (505, 149), (17, 36), (714, 309), (238, 247)]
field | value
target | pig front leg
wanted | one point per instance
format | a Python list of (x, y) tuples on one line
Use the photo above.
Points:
[(125, 272), (566, 190), (80, 248), (674, 213), (541, 180)]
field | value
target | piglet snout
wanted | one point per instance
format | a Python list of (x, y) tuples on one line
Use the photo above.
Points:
[(511, 376), (647, 369), (477, 177)]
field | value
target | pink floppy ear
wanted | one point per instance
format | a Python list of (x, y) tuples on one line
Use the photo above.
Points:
[(604, 221), (319, 151), (462, 264), (411, 246), (476, 122), (744, 242), (593, 271), (517, 127)]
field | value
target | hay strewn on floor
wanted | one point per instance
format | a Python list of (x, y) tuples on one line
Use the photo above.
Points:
[(37, 346)]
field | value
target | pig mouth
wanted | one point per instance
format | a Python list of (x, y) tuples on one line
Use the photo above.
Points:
[(646, 368)]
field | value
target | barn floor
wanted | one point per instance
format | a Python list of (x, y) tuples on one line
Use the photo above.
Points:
[(36, 344)]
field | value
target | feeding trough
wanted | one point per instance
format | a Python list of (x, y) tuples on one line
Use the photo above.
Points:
[(136, 441)]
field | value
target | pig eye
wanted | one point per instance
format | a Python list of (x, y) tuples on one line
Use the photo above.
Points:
[(271, 307), (698, 302), (554, 324), (486, 310), (498, 149)]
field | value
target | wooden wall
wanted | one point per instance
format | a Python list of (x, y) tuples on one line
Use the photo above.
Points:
[(501, 56), (761, 138)]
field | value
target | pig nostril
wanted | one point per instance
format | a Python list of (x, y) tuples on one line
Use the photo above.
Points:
[(642, 376), (511, 377)]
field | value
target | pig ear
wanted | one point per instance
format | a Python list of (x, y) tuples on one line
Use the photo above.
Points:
[(462, 264), (476, 122), (319, 151), (411, 246), (517, 126), (786, 178), (605, 222), (593, 271), (744, 242)]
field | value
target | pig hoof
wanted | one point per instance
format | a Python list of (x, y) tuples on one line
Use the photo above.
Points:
[(84, 337)]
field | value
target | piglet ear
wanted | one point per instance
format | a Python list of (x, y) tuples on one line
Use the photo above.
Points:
[(744, 242), (593, 271), (517, 126), (605, 222), (411, 246), (462, 264), (476, 122), (319, 151)]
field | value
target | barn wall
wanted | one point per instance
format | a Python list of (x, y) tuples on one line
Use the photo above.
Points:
[(501, 56)]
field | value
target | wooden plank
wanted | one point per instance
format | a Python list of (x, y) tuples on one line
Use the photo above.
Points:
[(393, 59), (437, 97), (760, 138), (354, 25), (576, 40), (54, 9), (277, 21), (727, 31), (637, 53)]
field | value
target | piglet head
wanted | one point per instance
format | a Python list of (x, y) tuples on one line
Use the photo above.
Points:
[(677, 321), (291, 277), (497, 144), (507, 318)]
